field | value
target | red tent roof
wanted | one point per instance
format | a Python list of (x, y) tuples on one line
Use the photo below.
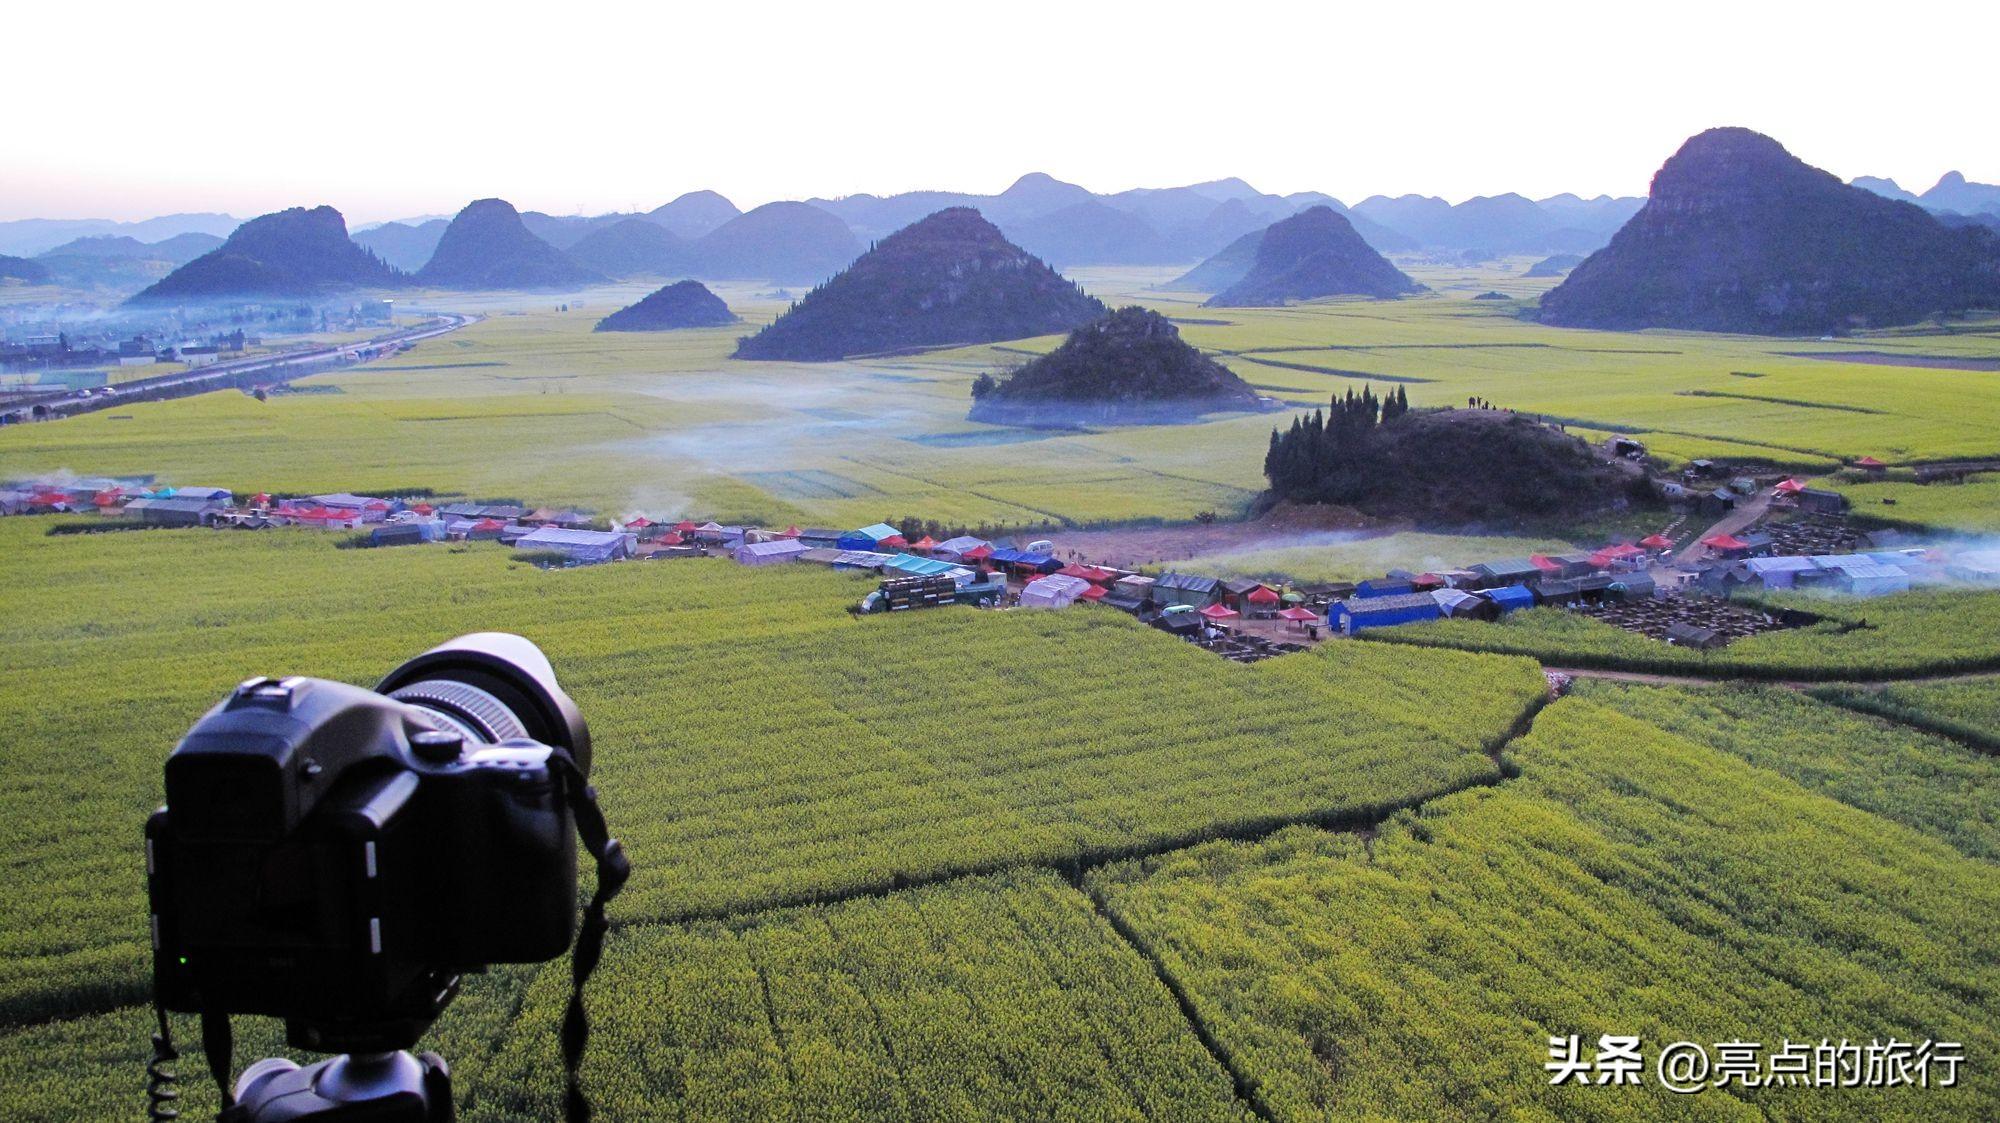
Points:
[(376, 505), (44, 498), (1219, 612), (1723, 542), (671, 539), (488, 524), (1426, 581), (642, 522), (893, 540), (1301, 614), (106, 498), (924, 543), (1263, 594), (1095, 592), (686, 525), (977, 552), (1790, 487), (791, 532), (1621, 550), (1544, 562), (421, 508), (1869, 462), (263, 499), (1656, 542)]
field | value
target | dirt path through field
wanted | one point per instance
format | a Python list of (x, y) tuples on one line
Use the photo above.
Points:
[(1132, 547)]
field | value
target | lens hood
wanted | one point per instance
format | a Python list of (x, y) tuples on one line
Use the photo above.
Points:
[(514, 671)]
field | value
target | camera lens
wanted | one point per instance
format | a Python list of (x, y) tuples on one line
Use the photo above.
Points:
[(492, 686), (473, 712)]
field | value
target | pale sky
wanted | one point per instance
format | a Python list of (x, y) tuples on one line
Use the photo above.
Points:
[(126, 110)]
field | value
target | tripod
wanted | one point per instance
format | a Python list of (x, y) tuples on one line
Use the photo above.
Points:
[(389, 1087)]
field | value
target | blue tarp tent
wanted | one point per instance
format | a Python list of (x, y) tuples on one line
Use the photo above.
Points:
[(1511, 597), (1356, 613), (1384, 587), (868, 537)]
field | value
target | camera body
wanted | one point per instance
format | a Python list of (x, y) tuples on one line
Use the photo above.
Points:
[(338, 857)]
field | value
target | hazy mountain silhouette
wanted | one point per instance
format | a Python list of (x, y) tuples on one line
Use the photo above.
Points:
[(632, 247), (1312, 254), (404, 246), (788, 243), (292, 253), (487, 247), (684, 304)]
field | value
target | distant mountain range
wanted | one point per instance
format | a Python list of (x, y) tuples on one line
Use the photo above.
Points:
[(1740, 235), (702, 234), (1952, 194), (28, 237)]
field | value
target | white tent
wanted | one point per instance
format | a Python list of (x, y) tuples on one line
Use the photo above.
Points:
[(770, 553), (1053, 591)]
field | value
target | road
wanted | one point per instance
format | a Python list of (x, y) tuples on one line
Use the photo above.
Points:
[(281, 367), (1742, 517)]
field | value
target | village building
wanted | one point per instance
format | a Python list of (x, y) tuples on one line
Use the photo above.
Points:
[(1170, 589), (776, 552), (1359, 613), (1054, 590), (585, 547)]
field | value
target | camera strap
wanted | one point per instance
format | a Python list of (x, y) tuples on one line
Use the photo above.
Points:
[(613, 867)]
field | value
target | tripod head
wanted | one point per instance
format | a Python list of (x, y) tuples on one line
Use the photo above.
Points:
[(357, 1088)]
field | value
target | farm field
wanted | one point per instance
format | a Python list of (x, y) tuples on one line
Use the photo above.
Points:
[(1972, 506), (1628, 881), (1932, 632), (996, 998), (1918, 779), (1348, 557), (757, 746), (530, 403), (1967, 710)]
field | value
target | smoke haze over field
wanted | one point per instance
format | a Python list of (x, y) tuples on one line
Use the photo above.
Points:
[(389, 110)]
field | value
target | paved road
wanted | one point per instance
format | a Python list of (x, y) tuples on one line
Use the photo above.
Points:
[(280, 367)]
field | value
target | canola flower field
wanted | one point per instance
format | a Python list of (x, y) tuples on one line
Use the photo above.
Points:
[(531, 402)]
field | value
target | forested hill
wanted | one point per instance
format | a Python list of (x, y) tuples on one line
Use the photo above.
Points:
[(685, 304), (1131, 367), (488, 247), (1313, 254), (291, 253), (950, 278), (1442, 467), (1740, 235)]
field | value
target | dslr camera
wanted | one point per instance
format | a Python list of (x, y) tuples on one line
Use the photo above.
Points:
[(340, 857)]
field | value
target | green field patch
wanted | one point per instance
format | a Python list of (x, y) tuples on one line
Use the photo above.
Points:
[(756, 745), (808, 484), (1798, 403), (984, 438), (1630, 880), (1336, 372)]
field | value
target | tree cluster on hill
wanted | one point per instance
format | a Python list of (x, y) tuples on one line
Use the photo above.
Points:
[(1130, 367), (1446, 466), (1324, 446)]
